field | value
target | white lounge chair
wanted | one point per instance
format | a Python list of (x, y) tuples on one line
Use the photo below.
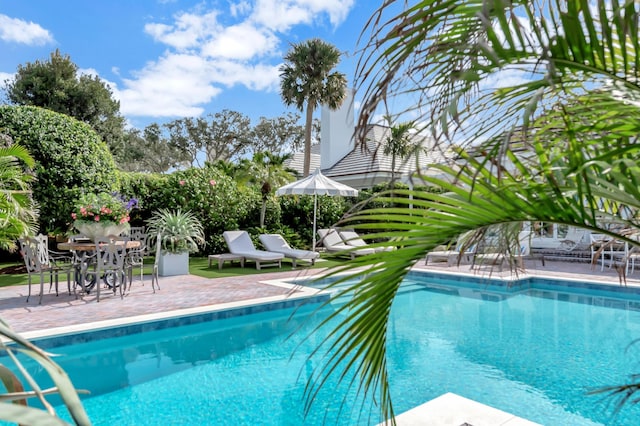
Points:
[(333, 243), (451, 256), (574, 239), (351, 238), (240, 243), (518, 251), (276, 243)]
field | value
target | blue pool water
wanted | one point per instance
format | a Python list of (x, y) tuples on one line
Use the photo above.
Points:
[(533, 352)]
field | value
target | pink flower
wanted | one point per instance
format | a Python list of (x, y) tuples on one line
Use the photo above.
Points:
[(181, 182), (212, 182), (73, 216), (97, 218)]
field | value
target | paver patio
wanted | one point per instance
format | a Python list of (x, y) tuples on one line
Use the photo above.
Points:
[(190, 291)]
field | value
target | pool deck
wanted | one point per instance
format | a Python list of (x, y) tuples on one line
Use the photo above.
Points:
[(187, 294)]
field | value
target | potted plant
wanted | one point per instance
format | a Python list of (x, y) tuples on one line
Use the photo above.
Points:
[(180, 233), (102, 214)]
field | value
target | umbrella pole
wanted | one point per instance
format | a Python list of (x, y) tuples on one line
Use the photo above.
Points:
[(315, 208)]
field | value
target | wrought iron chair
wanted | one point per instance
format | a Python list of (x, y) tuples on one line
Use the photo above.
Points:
[(135, 256), (110, 264), (39, 260), (154, 274)]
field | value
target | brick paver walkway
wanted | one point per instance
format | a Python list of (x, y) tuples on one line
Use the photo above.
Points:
[(179, 292), (189, 291)]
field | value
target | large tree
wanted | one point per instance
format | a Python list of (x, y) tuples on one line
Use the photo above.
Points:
[(308, 79), (279, 135), (544, 95), (151, 150), (225, 135), (57, 85)]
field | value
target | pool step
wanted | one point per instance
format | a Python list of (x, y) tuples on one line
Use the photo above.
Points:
[(454, 410)]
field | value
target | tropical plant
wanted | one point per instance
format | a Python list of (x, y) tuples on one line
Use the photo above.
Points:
[(18, 212), (307, 79), (398, 143), (266, 170), (544, 97), (179, 230)]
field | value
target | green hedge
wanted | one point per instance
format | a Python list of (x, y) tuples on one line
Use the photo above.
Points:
[(70, 159)]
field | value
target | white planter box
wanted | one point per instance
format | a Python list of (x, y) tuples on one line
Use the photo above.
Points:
[(173, 264)]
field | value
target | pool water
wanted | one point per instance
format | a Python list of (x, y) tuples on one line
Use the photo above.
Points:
[(533, 353)]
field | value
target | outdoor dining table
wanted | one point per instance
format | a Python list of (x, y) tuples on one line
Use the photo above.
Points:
[(91, 246), (83, 258)]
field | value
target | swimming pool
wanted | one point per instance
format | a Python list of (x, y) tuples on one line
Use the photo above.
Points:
[(529, 349)]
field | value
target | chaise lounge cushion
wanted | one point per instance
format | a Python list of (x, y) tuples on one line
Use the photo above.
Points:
[(276, 243), (240, 243), (351, 238), (333, 243)]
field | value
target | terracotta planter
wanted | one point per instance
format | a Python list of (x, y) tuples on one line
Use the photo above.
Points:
[(173, 264)]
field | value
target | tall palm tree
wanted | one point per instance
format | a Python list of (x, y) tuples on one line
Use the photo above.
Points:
[(541, 97), (18, 212), (269, 172), (307, 78)]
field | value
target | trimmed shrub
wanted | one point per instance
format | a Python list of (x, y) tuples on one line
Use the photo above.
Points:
[(70, 159), (213, 197), (145, 187)]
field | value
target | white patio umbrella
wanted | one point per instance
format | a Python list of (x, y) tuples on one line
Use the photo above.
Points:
[(317, 184)]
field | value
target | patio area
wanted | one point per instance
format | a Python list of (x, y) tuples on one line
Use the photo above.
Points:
[(186, 293)]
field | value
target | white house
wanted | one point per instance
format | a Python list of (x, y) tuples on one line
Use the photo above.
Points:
[(366, 165)]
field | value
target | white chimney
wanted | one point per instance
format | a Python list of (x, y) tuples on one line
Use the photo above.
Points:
[(336, 132)]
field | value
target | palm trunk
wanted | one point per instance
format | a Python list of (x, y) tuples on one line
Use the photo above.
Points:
[(307, 141)]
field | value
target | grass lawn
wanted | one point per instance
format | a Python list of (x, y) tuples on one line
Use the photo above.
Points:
[(197, 266)]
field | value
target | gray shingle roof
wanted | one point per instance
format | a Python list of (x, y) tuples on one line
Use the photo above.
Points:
[(371, 159)]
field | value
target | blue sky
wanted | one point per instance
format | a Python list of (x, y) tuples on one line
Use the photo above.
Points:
[(167, 59)]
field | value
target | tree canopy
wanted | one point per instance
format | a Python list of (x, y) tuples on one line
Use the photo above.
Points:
[(57, 85)]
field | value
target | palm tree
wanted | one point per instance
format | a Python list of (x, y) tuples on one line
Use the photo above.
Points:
[(398, 143), (541, 97), (269, 172), (18, 212), (307, 78)]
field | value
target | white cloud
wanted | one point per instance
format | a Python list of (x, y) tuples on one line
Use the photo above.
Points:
[(173, 86), (280, 15), (240, 8), (210, 51), (243, 42), (6, 76), (188, 31), (23, 32)]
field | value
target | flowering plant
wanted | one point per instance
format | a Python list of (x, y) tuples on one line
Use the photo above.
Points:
[(103, 207)]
